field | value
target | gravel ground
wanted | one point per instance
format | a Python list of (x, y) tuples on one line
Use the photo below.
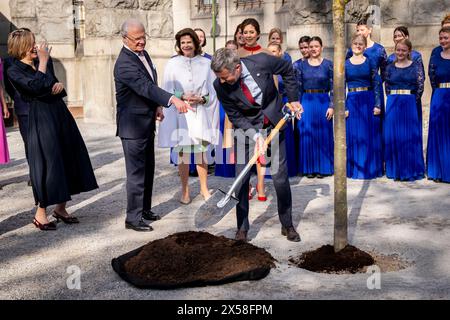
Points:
[(386, 217)]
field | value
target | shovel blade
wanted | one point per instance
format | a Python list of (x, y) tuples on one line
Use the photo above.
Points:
[(210, 213)]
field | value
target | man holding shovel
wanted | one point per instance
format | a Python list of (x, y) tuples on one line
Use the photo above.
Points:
[(248, 94)]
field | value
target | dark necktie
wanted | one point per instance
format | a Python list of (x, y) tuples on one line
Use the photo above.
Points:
[(250, 98)]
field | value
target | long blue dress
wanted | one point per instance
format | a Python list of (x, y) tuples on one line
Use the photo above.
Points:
[(364, 152), (438, 149), (416, 56), (378, 58), (316, 144), (289, 134), (224, 166), (402, 134)]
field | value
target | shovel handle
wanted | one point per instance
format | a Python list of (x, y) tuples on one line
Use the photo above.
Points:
[(269, 139)]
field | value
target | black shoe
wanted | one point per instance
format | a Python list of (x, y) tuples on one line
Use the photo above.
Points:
[(138, 226), (320, 176), (290, 234), (149, 215), (310, 176)]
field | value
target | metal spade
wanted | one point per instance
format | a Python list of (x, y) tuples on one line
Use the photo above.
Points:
[(221, 202)]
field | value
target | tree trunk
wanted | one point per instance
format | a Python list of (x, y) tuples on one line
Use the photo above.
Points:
[(340, 145)]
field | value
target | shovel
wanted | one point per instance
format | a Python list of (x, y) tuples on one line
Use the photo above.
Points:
[(221, 202)]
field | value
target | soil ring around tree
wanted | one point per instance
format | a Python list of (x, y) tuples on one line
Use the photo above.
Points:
[(348, 260), (193, 259)]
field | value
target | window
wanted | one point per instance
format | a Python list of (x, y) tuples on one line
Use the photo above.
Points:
[(248, 4), (205, 6)]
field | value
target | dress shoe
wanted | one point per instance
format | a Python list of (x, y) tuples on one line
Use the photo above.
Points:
[(149, 215), (241, 235), (44, 227), (260, 198), (138, 226), (290, 234), (67, 220), (310, 176)]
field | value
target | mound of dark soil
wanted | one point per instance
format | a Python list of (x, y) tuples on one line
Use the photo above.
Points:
[(348, 260), (190, 259)]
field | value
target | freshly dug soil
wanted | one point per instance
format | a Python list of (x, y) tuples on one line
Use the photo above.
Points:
[(191, 258), (348, 260)]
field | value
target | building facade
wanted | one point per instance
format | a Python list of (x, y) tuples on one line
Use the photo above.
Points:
[(85, 36)]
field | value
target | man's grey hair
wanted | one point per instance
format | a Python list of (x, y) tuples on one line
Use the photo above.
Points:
[(225, 59), (131, 22)]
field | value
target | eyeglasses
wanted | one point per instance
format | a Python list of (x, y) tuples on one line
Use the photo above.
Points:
[(145, 37)]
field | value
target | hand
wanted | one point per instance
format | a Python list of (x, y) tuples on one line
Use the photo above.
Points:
[(57, 88), (297, 107), (192, 99), (5, 113), (376, 111), (159, 114), (346, 113), (43, 51), (330, 113), (181, 106)]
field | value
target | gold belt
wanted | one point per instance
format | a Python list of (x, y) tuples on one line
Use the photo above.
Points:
[(316, 91), (358, 89), (445, 85), (400, 91)]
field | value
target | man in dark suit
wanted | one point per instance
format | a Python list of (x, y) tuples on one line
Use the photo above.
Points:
[(139, 101), (248, 94)]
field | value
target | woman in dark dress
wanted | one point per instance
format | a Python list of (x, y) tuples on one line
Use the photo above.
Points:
[(59, 161)]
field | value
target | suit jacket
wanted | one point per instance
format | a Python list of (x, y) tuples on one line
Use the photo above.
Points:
[(262, 67), (137, 96)]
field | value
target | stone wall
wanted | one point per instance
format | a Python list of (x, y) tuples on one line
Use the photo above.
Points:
[(88, 77)]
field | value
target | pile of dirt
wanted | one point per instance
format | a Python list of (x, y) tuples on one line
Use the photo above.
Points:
[(191, 258), (348, 260)]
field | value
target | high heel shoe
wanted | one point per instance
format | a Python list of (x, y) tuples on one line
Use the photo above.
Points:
[(68, 220), (44, 227), (260, 198)]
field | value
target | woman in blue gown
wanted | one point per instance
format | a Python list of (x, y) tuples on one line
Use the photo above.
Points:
[(438, 148), (364, 153), (444, 23), (315, 128), (402, 135), (401, 33), (276, 36), (291, 150), (224, 164), (376, 54)]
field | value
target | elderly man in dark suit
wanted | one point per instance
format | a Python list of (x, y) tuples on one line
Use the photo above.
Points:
[(251, 100), (139, 101)]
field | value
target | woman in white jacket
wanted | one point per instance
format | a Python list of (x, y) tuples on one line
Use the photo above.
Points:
[(188, 76)]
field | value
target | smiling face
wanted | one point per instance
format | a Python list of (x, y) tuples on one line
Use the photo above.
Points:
[(187, 46), (402, 52), (250, 35), (444, 40), (398, 35), (363, 30), (275, 37), (275, 50), (358, 46), (315, 49), (304, 49), (201, 37), (230, 77), (135, 38)]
